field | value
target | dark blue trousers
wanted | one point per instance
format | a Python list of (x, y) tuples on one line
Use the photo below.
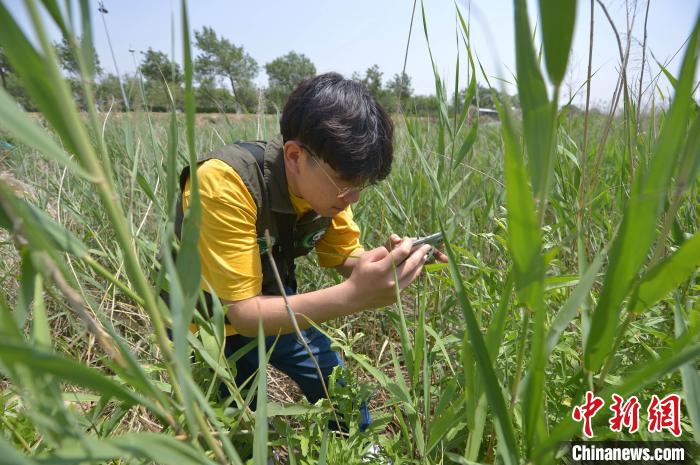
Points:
[(291, 357)]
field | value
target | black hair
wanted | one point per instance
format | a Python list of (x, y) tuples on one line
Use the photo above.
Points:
[(340, 121)]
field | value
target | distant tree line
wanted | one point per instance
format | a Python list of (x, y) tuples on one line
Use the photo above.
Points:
[(223, 76)]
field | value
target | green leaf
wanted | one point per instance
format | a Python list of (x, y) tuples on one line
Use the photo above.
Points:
[(188, 263), (502, 419), (638, 229), (445, 420), (27, 283), (525, 244), (17, 122), (667, 275), (61, 238), (260, 435), (9, 329), (11, 456), (146, 188), (538, 121), (26, 62), (156, 447), (323, 453), (41, 331), (689, 376), (40, 362), (570, 309), (460, 460), (670, 360), (292, 410), (494, 335), (558, 18)]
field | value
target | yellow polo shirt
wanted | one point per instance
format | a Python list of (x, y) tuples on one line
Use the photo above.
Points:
[(228, 247)]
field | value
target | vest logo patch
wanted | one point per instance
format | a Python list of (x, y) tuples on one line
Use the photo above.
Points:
[(262, 243), (310, 240)]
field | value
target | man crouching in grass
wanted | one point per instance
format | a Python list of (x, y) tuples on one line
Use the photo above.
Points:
[(335, 140)]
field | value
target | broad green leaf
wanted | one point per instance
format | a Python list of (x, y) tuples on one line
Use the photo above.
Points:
[(538, 119), (502, 418), (558, 18), (156, 447), (468, 142), (525, 244), (27, 283), (570, 309), (36, 72), (55, 13), (17, 122), (41, 331), (647, 373), (146, 188), (440, 425), (216, 422), (172, 178), (689, 376), (667, 275), (11, 456), (260, 435), (40, 361), (188, 263), (61, 238), (460, 460), (322, 455), (638, 229), (9, 329), (182, 316), (292, 410), (494, 335)]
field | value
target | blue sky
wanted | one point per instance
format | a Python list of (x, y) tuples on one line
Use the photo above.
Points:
[(353, 35)]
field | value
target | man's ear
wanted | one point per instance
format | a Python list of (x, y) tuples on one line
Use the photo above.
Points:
[(293, 157)]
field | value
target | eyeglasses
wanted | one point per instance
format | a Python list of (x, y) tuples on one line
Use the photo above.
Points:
[(342, 192)]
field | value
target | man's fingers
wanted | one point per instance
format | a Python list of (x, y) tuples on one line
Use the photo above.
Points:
[(399, 253), (415, 260), (440, 256), (376, 254), (410, 277), (393, 241), (412, 267)]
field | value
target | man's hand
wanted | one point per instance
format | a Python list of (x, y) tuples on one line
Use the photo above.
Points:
[(378, 271), (395, 240)]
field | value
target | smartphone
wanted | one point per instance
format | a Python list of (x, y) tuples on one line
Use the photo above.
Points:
[(433, 239)]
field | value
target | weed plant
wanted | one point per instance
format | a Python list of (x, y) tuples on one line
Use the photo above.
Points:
[(573, 252)]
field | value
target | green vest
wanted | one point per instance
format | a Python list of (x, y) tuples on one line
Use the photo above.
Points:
[(261, 168)]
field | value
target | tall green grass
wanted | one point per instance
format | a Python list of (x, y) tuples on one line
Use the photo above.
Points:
[(480, 362)]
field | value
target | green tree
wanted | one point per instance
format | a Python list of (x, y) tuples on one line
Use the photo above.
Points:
[(68, 60), (210, 98), (108, 93), (425, 105), (156, 67), (372, 81), (399, 90), (221, 59), (486, 97), (248, 96), (284, 74), (12, 85)]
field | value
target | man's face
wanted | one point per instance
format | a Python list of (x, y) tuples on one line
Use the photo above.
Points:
[(317, 183), (337, 193)]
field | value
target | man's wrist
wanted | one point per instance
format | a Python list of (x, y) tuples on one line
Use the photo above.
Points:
[(350, 298)]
